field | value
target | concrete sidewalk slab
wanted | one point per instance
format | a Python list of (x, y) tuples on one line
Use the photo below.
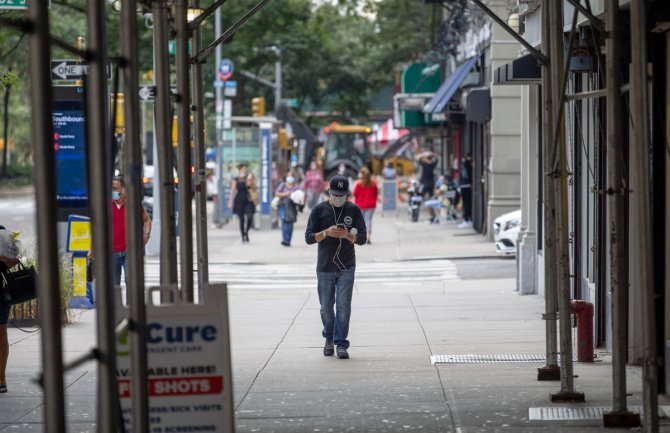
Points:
[(282, 383)]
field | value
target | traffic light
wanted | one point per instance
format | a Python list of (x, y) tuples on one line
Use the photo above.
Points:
[(148, 76), (258, 106), (282, 139), (175, 131)]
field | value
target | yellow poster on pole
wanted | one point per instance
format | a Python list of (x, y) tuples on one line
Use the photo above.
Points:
[(79, 236), (79, 276)]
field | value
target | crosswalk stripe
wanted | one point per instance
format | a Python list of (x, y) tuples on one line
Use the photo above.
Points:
[(263, 276), (14, 205)]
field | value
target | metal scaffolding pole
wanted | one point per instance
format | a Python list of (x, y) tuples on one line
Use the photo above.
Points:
[(184, 159), (45, 196), (550, 371), (132, 167), (100, 155), (163, 122), (557, 159), (617, 189), (644, 258), (201, 178)]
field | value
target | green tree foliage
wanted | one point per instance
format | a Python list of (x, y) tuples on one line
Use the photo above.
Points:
[(335, 54)]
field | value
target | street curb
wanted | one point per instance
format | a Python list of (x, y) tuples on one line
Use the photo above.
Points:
[(25, 191), (485, 257)]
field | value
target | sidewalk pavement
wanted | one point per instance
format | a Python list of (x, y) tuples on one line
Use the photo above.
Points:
[(283, 383), (23, 191), (394, 237)]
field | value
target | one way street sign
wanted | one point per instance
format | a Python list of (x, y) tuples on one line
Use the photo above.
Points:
[(67, 70), (148, 93)]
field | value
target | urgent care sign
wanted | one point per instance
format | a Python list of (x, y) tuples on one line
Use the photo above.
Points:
[(189, 376)]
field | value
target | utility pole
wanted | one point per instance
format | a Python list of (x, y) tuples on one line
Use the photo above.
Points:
[(640, 147), (278, 78), (550, 371), (162, 123), (559, 173), (617, 190), (219, 119), (201, 180), (184, 146)]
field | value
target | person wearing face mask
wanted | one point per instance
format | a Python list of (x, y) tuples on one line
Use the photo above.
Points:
[(336, 225), (119, 254), (287, 210)]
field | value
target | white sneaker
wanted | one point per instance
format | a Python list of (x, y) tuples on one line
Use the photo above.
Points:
[(465, 225)]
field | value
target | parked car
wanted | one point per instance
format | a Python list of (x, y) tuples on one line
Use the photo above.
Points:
[(506, 231), (148, 175), (148, 180)]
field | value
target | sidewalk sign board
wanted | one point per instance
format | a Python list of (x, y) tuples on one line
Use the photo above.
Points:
[(389, 196), (70, 151), (240, 144), (190, 373), (78, 242)]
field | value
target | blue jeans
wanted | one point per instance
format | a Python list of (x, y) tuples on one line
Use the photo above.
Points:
[(120, 260), (367, 217), (335, 290), (286, 228)]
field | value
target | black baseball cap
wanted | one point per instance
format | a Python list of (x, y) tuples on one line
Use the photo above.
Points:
[(339, 185)]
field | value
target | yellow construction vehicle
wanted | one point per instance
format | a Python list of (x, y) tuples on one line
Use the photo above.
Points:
[(345, 149)]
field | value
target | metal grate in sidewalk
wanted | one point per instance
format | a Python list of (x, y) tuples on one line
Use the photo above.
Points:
[(489, 359), (580, 413)]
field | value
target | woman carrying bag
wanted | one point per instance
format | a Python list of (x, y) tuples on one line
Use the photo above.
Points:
[(9, 251), (240, 202), (287, 210)]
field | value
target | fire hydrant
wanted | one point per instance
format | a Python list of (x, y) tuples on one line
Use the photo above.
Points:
[(584, 312)]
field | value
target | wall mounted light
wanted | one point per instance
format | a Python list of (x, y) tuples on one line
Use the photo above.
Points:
[(193, 13), (514, 22)]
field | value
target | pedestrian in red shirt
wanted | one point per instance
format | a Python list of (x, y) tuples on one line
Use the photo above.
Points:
[(313, 185), (119, 253), (365, 197)]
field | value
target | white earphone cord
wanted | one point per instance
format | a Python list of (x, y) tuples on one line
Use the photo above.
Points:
[(339, 265)]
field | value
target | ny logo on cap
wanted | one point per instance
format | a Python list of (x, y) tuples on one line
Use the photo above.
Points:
[(340, 184)]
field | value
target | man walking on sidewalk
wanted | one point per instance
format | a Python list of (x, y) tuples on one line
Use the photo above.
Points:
[(336, 225)]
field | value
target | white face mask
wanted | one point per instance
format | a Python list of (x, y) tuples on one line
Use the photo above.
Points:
[(290, 179), (338, 201)]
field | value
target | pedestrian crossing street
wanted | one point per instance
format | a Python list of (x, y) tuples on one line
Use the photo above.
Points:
[(281, 276)]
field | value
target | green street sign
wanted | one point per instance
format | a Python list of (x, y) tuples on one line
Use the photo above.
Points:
[(16, 4), (292, 102), (172, 47), (13, 4)]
